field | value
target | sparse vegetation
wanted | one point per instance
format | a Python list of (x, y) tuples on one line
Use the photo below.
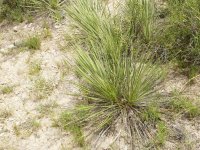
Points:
[(152, 114), (11, 10), (52, 8), (47, 109), (6, 89), (27, 128), (185, 106), (63, 66), (4, 114), (33, 43), (47, 33), (16, 130), (74, 128), (35, 68), (19, 10), (161, 135), (42, 88), (121, 54), (181, 34)]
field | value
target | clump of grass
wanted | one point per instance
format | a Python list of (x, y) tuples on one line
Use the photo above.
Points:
[(47, 109), (16, 130), (151, 114), (63, 66), (33, 43), (47, 33), (6, 89), (185, 106), (46, 25), (52, 8), (11, 10), (42, 88), (74, 128), (181, 34), (27, 128), (139, 19), (118, 77), (35, 68), (161, 134), (4, 114), (193, 72), (19, 10), (118, 82)]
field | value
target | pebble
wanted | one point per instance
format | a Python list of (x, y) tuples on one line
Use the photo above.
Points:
[(15, 29)]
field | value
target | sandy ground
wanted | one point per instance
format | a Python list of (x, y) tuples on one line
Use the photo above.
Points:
[(26, 127), (26, 122)]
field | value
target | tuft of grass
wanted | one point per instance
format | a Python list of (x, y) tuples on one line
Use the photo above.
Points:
[(19, 10), (74, 128), (63, 66), (5, 114), (47, 109), (35, 68), (42, 88), (118, 81), (6, 89), (32, 43), (27, 128), (139, 19), (180, 34), (193, 72), (151, 114), (185, 106), (119, 76), (46, 25), (11, 10), (161, 134), (16, 130), (47, 33), (52, 8)]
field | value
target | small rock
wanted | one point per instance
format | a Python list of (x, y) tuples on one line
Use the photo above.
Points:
[(57, 26), (15, 29), (29, 25)]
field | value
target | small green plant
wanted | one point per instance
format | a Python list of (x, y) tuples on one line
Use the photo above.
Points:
[(193, 72), (35, 68), (180, 34), (11, 10), (35, 125), (33, 43), (19, 10), (6, 89), (47, 33), (47, 109), (74, 128), (139, 18), (185, 106), (42, 88), (63, 66), (27, 128), (45, 25), (4, 114), (151, 114), (161, 134), (16, 130), (53, 8)]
